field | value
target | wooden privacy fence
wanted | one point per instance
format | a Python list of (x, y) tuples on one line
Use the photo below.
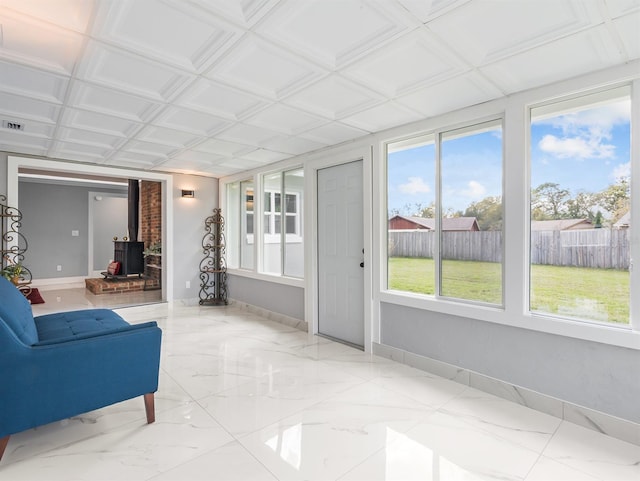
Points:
[(599, 248)]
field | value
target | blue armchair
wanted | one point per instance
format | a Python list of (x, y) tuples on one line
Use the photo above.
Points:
[(56, 366)]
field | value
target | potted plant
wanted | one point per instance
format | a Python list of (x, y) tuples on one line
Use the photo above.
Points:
[(13, 272)]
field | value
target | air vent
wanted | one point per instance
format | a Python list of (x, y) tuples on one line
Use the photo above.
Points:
[(7, 124)]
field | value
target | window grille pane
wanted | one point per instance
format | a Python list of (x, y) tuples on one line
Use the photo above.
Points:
[(411, 199), (580, 207), (471, 214)]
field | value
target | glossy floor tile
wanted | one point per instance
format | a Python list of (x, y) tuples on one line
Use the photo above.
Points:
[(244, 398)]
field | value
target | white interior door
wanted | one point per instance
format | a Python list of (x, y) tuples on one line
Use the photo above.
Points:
[(340, 253)]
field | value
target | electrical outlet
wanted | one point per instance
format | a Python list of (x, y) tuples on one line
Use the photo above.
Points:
[(188, 284), (75, 233), (59, 268)]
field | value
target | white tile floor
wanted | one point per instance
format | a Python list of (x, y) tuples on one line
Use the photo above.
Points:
[(242, 397)]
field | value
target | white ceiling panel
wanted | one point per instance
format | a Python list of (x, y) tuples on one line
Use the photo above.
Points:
[(128, 25), (136, 159), (92, 138), (617, 8), (245, 12), (263, 156), (393, 70), (222, 147), (426, 10), (150, 148), (335, 97), (71, 14), (111, 102), (293, 145), (23, 144), (356, 26), (116, 68), (286, 120), (565, 58), (77, 151), (333, 133), (468, 89), (86, 120), (32, 83), (213, 87), (172, 137), (629, 27), (486, 31), (382, 117), (265, 69), (220, 100), (178, 118), (248, 135), (22, 107), (28, 40)]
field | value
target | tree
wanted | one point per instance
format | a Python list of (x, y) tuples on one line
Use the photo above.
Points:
[(616, 198), (488, 213), (548, 202), (580, 207)]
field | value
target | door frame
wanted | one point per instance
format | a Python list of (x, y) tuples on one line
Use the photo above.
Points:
[(333, 159), (14, 163)]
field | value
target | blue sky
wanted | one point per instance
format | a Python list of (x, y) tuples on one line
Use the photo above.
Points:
[(583, 150)]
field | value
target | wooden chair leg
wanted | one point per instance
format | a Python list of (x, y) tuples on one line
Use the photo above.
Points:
[(3, 444), (149, 407)]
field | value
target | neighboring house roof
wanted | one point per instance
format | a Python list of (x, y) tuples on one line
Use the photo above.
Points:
[(561, 224), (623, 221), (448, 223)]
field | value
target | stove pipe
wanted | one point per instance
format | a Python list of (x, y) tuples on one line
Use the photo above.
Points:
[(133, 204)]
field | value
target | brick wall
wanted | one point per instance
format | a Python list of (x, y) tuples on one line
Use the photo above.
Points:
[(151, 225)]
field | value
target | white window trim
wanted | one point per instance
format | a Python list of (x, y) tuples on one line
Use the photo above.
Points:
[(516, 181)]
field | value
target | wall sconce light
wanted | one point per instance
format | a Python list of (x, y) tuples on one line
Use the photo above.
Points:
[(189, 194)]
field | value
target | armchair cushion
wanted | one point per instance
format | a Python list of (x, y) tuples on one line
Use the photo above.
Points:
[(60, 365), (15, 310)]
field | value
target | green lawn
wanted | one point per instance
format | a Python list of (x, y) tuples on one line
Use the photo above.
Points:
[(595, 294)]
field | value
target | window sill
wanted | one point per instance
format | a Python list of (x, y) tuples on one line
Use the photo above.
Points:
[(288, 281), (616, 335)]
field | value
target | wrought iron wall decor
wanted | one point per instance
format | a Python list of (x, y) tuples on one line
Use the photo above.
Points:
[(13, 244), (213, 267)]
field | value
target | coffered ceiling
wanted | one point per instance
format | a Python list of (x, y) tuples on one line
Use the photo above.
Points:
[(214, 87)]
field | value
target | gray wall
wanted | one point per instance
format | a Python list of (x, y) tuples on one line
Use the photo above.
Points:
[(590, 374), (49, 213), (280, 298), (188, 230)]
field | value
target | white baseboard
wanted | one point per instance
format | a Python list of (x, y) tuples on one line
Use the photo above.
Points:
[(272, 316), (589, 418), (59, 283)]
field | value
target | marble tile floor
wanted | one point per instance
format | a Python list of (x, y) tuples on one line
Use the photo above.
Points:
[(245, 398), (67, 298)]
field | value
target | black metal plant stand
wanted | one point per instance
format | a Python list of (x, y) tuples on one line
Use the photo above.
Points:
[(13, 244), (213, 267)]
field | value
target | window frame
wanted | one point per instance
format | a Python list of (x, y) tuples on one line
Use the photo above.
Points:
[(516, 202), (256, 177), (437, 135), (568, 103)]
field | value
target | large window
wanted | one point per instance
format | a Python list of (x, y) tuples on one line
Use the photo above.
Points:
[(445, 214), (239, 224), (471, 213), (281, 245), (580, 207)]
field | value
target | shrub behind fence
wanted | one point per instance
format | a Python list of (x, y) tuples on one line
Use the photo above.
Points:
[(598, 248)]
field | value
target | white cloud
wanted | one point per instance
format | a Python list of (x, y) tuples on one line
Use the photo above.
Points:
[(416, 185), (581, 147), (622, 170), (585, 133), (474, 189)]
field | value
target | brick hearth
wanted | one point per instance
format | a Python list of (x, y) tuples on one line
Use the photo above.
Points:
[(118, 286)]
